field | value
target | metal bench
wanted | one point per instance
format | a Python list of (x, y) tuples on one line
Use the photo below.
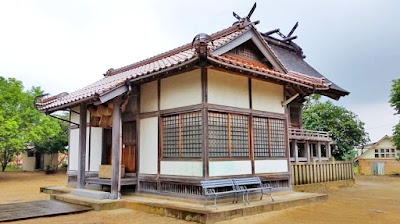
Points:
[(220, 187), (252, 184)]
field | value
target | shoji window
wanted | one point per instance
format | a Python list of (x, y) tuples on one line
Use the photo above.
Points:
[(182, 135), (228, 135)]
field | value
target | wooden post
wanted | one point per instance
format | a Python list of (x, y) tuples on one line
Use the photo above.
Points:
[(204, 112), (319, 151), (328, 149), (296, 151), (307, 149), (82, 146), (116, 148)]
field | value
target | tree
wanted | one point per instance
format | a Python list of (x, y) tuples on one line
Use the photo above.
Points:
[(56, 143), (395, 103), (344, 126), (20, 123)]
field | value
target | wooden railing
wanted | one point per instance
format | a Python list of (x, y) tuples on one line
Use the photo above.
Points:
[(317, 172), (302, 134)]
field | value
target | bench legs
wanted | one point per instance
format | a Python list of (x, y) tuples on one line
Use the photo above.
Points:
[(215, 202), (270, 194)]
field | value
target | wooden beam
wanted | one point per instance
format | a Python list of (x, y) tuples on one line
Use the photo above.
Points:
[(113, 94), (116, 149), (82, 146), (286, 102)]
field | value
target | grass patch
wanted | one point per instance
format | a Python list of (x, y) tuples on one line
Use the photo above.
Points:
[(13, 168), (355, 168)]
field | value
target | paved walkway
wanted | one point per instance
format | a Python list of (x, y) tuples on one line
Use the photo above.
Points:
[(27, 210)]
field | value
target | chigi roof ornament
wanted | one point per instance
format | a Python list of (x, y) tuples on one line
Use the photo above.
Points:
[(242, 22)]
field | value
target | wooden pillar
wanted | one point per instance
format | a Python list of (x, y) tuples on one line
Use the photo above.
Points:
[(319, 151), (116, 149), (328, 150), (307, 150), (296, 151), (82, 146), (204, 113)]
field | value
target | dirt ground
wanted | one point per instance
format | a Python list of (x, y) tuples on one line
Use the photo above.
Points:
[(374, 199)]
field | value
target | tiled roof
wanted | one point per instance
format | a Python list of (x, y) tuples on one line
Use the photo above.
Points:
[(258, 66), (294, 62), (115, 78), (118, 77)]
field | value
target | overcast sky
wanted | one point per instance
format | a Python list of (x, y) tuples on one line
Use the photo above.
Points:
[(65, 45)]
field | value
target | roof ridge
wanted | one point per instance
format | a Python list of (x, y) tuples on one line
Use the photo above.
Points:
[(176, 50)]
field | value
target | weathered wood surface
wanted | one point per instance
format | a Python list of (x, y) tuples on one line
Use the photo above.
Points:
[(82, 146), (35, 209), (101, 181), (116, 150), (317, 172)]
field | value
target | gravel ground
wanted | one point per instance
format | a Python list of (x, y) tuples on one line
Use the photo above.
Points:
[(374, 199)]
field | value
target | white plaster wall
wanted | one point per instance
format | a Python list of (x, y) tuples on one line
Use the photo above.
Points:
[(148, 145), (267, 96), (28, 163), (182, 168), (148, 97), (181, 90), (369, 154), (73, 149), (227, 89), (96, 140), (270, 166), (227, 168), (386, 143)]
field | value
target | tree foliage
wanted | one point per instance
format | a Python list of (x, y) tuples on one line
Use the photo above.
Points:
[(395, 103), (344, 126), (21, 124), (53, 144)]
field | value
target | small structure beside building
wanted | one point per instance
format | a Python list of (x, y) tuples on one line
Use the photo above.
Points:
[(378, 158), (33, 161)]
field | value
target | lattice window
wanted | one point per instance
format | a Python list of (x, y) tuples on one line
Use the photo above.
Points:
[(228, 135), (170, 136), (182, 135), (191, 134), (260, 132), (277, 137), (218, 135), (239, 135)]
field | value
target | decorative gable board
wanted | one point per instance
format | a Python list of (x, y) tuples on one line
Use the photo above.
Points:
[(250, 51), (260, 44)]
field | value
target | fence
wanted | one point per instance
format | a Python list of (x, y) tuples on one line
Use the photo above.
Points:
[(317, 172)]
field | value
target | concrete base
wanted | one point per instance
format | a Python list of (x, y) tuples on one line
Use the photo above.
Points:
[(196, 212), (98, 195)]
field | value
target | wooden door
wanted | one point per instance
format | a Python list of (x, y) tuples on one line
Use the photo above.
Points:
[(128, 158), (129, 146)]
